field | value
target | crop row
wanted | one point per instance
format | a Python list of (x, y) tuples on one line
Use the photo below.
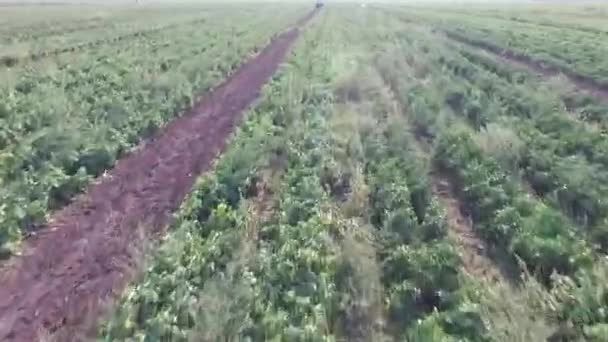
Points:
[(462, 92), (424, 289), (197, 267), (67, 123), (561, 158), (556, 160), (349, 243), (571, 51), (80, 26), (111, 31), (15, 54), (503, 212), (583, 106), (542, 16), (33, 34), (574, 52)]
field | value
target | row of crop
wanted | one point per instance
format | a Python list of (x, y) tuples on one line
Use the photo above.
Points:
[(503, 213), (15, 54), (306, 272), (19, 21), (74, 27), (589, 24), (313, 255), (114, 32), (553, 158), (300, 247), (513, 15), (583, 105), (388, 194), (533, 232), (551, 138), (554, 98), (573, 52), (63, 127), (146, 55), (17, 18), (425, 293), (204, 279), (296, 275), (542, 237)]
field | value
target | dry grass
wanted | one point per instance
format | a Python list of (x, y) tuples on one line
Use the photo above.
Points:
[(359, 281), (517, 315), (223, 305), (357, 203), (560, 85), (359, 274), (503, 144)]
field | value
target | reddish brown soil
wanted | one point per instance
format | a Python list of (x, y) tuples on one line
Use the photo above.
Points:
[(89, 249), (582, 83)]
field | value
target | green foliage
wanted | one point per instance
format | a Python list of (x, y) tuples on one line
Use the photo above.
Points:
[(538, 234), (420, 267), (561, 158), (65, 121), (583, 301), (304, 263), (207, 263)]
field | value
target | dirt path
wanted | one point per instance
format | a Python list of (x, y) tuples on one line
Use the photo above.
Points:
[(582, 83), (472, 249), (89, 249)]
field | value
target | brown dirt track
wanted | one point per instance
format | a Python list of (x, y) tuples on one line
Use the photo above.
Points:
[(88, 251)]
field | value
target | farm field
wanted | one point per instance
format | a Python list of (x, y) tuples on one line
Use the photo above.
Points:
[(573, 42), (349, 173), (69, 116)]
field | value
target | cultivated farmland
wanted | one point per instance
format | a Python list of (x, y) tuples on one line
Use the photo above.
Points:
[(282, 173)]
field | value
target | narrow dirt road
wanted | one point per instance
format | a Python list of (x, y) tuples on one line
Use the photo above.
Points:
[(70, 271)]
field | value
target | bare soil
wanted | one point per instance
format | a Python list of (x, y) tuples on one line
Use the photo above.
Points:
[(474, 254), (584, 84), (72, 269)]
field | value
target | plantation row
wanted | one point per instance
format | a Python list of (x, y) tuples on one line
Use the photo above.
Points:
[(13, 55), (316, 224), (325, 218), (320, 221), (65, 121), (110, 32), (489, 131), (587, 19), (559, 148), (570, 50), (562, 158), (75, 27)]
